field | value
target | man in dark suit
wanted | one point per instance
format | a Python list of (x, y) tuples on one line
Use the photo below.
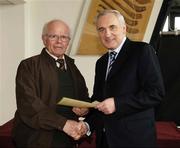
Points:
[(128, 84), (41, 81)]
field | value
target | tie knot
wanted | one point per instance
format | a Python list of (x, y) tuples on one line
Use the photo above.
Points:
[(112, 55), (60, 61), (61, 64)]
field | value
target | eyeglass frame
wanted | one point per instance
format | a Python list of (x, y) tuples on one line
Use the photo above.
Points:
[(54, 37)]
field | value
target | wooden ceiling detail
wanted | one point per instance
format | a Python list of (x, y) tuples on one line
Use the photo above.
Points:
[(135, 12)]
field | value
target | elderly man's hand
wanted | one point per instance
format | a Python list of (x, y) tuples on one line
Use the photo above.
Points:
[(75, 129), (80, 111)]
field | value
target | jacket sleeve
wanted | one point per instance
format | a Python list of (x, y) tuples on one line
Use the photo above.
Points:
[(150, 89), (30, 107)]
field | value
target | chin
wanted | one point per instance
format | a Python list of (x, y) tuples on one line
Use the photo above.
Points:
[(111, 46)]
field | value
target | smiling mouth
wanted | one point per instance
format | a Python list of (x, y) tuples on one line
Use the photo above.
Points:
[(109, 40), (58, 47)]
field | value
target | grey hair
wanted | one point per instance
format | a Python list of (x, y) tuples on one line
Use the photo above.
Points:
[(45, 27), (115, 12)]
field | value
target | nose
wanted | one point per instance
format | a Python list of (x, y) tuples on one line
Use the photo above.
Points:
[(59, 39), (107, 33)]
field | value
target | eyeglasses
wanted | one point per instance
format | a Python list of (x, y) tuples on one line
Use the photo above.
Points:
[(57, 37)]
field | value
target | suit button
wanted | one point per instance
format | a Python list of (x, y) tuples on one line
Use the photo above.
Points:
[(104, 129)]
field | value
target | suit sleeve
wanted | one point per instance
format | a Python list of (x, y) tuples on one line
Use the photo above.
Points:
[(150, 89)]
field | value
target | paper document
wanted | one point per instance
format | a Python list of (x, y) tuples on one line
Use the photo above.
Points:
[(76, 103)]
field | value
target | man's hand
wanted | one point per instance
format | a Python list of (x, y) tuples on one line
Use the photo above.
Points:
[(80, 111), (75, 129), (83, 128), (107, 106)]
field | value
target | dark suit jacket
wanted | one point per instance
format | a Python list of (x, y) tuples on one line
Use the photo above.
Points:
[(37, 92), (136, 84)]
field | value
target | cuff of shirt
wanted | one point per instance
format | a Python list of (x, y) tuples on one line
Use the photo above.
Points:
[(88, 133)]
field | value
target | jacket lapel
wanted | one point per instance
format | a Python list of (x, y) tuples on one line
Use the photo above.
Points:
[(70, 64), (102, 67), (121, 59)]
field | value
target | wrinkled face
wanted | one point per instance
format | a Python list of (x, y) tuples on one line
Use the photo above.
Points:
[(56, 39), (110, 31)]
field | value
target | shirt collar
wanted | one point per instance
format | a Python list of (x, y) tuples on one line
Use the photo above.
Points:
[(117, 50), (54, 57)]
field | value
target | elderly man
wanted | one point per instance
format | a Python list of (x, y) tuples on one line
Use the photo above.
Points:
[(41, 81)]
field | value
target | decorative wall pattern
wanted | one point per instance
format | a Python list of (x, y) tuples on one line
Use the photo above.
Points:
[(135, 12)]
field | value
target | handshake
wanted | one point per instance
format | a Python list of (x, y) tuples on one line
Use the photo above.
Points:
[(78, 129), (75, 129)]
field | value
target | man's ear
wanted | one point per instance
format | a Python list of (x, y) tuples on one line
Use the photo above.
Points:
[(44, 39), (124, 29)]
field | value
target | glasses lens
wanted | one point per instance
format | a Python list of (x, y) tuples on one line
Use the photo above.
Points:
[(61, 37)]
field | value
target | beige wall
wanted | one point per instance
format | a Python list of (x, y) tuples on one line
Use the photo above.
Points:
[(11, 52)]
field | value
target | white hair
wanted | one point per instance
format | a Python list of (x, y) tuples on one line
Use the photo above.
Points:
[(115, 12)]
